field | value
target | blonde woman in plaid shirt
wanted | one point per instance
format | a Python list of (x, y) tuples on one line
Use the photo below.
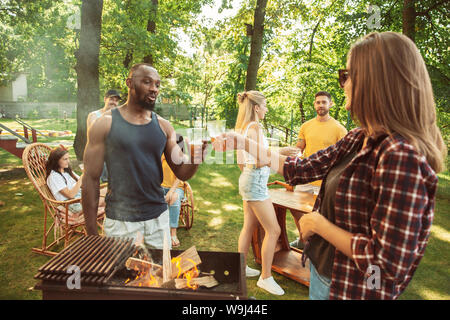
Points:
[(382, 175)]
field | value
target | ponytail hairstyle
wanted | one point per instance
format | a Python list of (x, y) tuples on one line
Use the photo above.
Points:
[(247, 101), (53, 159)]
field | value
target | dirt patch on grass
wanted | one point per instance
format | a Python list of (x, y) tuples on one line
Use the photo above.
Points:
[(11, 173)]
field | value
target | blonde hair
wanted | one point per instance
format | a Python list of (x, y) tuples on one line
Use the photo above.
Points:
[(247, 101), (391, 93)]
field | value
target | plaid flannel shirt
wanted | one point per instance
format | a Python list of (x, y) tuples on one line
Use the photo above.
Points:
[(385, 198)]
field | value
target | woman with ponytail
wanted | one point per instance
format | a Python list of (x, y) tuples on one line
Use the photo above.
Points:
[(257, 205)]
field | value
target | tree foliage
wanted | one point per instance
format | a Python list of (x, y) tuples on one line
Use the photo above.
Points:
[(304, 43)]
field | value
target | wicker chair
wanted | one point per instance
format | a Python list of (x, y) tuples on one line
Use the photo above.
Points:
[(187, 207), (65, 224)]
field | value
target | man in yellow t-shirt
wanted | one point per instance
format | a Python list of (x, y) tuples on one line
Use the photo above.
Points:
[(322, 131), (317, 134)]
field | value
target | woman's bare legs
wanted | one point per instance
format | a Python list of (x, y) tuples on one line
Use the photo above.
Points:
[(264, 213), (266, 216), (250, 223)]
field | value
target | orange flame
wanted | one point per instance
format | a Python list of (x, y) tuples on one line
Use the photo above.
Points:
[(151, 282), (189, 275), (177, 262), (148, 280)]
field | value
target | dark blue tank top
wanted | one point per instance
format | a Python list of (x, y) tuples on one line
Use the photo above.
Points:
[(133, 158)]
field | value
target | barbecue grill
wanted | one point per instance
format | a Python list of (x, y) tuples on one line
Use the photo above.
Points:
[(101, 262)]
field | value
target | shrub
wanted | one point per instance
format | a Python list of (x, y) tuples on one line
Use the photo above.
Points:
[(33, 114)]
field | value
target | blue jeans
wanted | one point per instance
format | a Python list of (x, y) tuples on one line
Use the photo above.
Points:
[(76, 207), (253, 184), (319, 286), (174, 209)]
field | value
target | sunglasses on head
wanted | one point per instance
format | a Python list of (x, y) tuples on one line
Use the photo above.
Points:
[(343, 77)]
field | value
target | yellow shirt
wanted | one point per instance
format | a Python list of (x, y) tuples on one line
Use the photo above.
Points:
[(320, 135), (168, 175)]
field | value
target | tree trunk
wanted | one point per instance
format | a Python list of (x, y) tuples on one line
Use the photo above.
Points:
[(231, 113), (205, 101), (311, 46), (409, 19), (302, 111), (151, 27), (88, 92), (129, 55), (128, 59), (256, 46)]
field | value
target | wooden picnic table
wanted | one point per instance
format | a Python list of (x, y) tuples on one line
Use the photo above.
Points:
[(286, 261)]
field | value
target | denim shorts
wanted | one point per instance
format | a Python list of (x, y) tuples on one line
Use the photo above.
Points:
[(319, 286), (76, 207), (253, 184)]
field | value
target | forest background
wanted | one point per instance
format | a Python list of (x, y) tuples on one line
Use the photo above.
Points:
[(73, 51)]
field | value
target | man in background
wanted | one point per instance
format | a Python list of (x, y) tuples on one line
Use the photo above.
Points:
[(111, 99), (317, 134), (322, 131)]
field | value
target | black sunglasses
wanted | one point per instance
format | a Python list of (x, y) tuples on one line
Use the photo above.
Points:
[(343, 77)]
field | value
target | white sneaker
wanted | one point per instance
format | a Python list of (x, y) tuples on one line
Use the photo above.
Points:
[(249, 272), (270, 285)]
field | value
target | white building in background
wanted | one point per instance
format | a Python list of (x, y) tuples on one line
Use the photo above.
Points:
[(16, 90)]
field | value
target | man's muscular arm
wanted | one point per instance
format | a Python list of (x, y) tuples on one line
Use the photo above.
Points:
[(89, 120), (93, 166)]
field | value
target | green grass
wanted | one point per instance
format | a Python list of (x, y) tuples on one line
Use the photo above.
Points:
[(217, 223), (431, 280)]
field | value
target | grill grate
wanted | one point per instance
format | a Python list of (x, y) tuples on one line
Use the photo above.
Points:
[(97, 257)]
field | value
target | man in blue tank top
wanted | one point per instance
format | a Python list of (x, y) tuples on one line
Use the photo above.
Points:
[(131, 139)]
